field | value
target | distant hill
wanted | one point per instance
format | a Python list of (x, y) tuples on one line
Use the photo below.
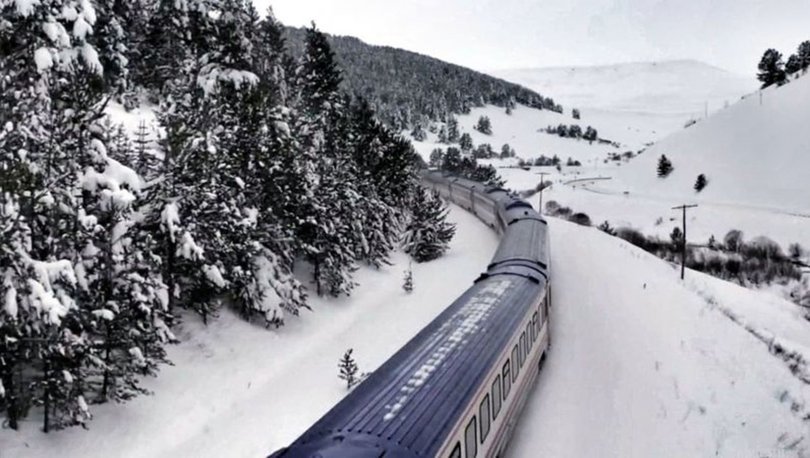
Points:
[(756, 152), (680, 87), (408, 88)]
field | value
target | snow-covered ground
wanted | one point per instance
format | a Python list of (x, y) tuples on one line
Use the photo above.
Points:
[(755, 153), (238, 390), (643, 364), (677, 87)]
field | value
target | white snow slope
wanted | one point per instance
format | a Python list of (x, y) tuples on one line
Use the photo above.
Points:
[(644, 365), (753, 153), (675, 87)]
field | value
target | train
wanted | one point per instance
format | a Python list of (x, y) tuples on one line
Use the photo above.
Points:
[(457, 388)]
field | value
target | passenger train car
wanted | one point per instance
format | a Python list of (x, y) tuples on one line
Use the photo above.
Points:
[(456, 389)]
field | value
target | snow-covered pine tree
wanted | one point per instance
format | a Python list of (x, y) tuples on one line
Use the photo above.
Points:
[(407, 285), (273, 64), (443, 135), (428, 234), (330, 233), (436, 157), (484, 125), (145, 161), (465, 142), (453, 134)]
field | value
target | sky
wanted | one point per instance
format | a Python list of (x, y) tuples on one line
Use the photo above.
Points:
[(506, 34)]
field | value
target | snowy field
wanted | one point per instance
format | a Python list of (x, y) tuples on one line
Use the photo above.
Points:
[(238, 390), (643, 364)]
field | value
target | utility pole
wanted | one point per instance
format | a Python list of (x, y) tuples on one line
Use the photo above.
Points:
[(683, 243), (540, 202)]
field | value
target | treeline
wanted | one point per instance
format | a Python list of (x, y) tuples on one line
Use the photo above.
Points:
[(409, 89), (263, 162), (455, 163), (774, 70), (573, 131)]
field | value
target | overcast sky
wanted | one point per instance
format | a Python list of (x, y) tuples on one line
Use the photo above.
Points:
[(501, 34)]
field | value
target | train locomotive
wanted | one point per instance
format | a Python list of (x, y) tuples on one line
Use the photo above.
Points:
[(456, 389)]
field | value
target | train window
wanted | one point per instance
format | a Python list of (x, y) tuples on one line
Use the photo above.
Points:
[(515, 363), (471, 440), (529, 338), (522, 348), (507, 381), (535, 328), (496, 397), (456, 453), (483, 415)]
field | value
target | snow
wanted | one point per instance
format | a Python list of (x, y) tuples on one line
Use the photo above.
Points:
[(643, 364), (449, 337), (521, 130), (10, 303), (752, 154), (680, 87), (213, 274), (237, 389), (25, 7), (43, 59)]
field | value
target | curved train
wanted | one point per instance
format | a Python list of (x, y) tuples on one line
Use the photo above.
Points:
[(456, 389)]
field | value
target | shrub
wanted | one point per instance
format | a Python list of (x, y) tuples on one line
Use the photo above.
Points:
[(606, 228), (580, 218), (700, 183), (733, 240)]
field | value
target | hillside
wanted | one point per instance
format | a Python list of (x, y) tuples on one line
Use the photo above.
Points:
[(681, 87), (752, 154), (406, 88)]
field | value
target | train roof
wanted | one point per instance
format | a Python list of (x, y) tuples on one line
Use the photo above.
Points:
[(422, 389)]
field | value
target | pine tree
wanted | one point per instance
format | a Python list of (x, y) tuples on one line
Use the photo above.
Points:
[(590, 134), (664, 166), (408, 282), (443, 135), (348, 370), (453, 134), (428, 233), (700, 183), (507, 151), (451, 161), (803, 55), (793, 65), (771, 69), (575, 113), (418, 133), (484, 125), (436, 157), (466, 143)]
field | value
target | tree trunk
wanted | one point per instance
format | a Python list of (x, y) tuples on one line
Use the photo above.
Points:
[(12, 412)]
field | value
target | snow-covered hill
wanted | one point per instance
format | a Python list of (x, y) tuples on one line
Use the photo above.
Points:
[(755, 153), (643, 364), (675, 87)]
